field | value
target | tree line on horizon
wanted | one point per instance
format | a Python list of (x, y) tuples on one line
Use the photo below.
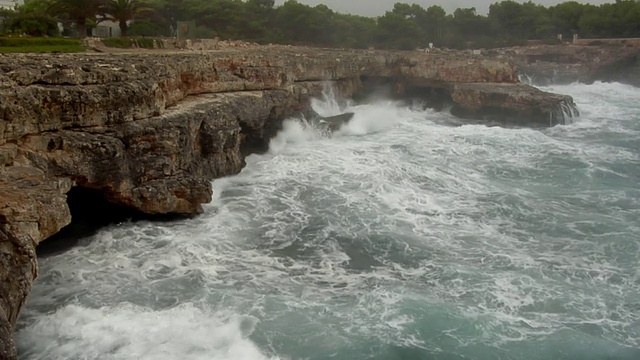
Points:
[(406, 26)]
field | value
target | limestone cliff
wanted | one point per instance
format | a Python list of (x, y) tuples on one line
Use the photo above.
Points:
[(149, 131)]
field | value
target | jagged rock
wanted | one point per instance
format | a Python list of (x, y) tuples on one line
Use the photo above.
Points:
[(513, 104), (8, 153), (7, 346)]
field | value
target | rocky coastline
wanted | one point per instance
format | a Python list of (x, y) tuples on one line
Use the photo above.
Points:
[(149, 131), (554, 64)]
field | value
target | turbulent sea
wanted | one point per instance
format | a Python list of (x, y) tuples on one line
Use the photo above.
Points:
[(402, 236)]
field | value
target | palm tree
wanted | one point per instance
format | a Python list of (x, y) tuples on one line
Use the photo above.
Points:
[(78, 11), (122, 11)]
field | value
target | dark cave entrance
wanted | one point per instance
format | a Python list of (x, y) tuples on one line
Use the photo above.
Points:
[(90, 212)]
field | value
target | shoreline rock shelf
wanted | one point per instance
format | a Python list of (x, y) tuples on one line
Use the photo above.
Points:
[(149, 131)]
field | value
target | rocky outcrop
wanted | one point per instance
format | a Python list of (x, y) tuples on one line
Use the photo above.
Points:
[(149, 131), (512, 104), (330, 123), (557, 64)]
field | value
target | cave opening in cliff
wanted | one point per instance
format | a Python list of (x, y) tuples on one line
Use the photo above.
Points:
[(429, 97), (375, 88), (256, 140), (90, 212)]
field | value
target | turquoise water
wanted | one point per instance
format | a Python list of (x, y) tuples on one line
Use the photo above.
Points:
[(399, 237)]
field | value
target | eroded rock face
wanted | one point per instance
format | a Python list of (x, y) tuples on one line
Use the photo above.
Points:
[(150, 131), (163, 164)]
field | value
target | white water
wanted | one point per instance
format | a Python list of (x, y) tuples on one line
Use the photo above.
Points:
[(399, 237)]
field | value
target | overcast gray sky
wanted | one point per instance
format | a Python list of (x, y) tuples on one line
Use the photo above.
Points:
[(378, 7)]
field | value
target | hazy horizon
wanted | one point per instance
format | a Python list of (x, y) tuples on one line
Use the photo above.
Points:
[(379, 7)]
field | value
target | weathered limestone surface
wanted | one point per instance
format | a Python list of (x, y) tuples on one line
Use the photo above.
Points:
[(44, 93), (151, 130)]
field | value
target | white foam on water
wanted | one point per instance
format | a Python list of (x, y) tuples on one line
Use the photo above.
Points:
[(294, 131), (131, 332), (602, 105), (374, 118)]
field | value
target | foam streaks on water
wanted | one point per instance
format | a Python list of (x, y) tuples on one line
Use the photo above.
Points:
[(401, 236)]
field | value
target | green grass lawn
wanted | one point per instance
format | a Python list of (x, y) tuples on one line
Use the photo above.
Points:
[(40, 45)]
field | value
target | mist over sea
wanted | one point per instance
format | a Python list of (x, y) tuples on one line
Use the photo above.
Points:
[(402, 236)]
